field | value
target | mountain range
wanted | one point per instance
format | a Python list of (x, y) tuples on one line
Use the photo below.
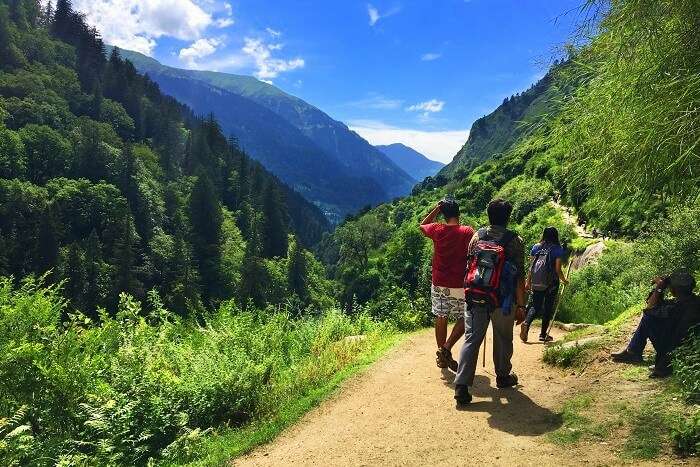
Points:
[(414, 163), (316, 155)]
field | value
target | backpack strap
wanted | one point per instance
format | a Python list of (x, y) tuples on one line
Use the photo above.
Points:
[(507, 237)]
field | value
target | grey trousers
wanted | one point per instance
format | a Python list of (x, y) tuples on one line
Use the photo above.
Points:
[(476, 322)]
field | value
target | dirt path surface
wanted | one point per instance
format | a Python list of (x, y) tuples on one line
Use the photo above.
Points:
[(401, 412)]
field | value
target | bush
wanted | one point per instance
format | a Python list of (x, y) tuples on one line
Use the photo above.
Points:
[(525, 194), (621, 277), (686, 434), (686, 366), (138, 387)]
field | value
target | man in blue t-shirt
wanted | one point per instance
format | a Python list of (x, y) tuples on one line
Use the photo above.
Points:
[(543, 280)]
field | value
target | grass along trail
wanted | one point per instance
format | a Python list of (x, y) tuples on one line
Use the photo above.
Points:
[(401, 412)]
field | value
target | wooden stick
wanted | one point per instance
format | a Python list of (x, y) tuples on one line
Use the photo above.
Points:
[(561, 293)]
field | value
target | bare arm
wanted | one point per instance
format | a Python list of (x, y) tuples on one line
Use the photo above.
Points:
[(430, 218), (560, 273), (657, 295)]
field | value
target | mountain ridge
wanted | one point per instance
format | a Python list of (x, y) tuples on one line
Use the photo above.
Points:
[(413, 162), (349, 160)]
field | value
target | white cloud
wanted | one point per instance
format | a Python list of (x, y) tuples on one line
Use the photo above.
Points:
[(199, 49), (377, 102), (273, 33), (224, 22), (437, 145), (430, 56), (269, 67), (375, 15), (135, 25), (431, 106)]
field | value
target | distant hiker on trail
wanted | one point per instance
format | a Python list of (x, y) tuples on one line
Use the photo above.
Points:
[(495, 292), (543, 280), (450, 242), (665, 322)]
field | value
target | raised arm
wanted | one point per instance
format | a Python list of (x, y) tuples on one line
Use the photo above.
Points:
[(430, 218)]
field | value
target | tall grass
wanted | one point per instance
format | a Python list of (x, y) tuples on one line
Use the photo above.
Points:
[(132, 387), (621, 277)]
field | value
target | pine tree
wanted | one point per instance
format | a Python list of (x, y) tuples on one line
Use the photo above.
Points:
[(93, 272), (206, 219), (73, 272), (297, 271), (47, 243), (274, 229), (62, 19), (7, 53), (253, 274)]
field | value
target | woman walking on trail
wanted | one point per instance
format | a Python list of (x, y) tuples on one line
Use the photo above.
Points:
[(543, 280)]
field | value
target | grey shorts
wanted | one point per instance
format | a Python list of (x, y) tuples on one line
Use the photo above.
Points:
[(447, 302)]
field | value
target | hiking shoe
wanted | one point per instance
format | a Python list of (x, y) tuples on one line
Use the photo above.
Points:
[(658, 373), (444, 357), (546, 338), (625, 356), (524, 329), (462, 395), (509, 381), (440, 359)]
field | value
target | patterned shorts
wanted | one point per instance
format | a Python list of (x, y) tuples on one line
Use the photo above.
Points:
[(447, 302)]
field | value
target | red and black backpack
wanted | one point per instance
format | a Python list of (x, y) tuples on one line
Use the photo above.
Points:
[(482, 284)]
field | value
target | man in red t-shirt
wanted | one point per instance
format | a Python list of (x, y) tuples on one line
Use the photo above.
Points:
[(451, 245)]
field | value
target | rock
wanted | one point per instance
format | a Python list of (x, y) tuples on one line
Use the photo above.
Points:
[(589, 255), (583, 341)]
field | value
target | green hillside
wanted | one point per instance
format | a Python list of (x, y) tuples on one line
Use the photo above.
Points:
[(157, 304), (289, 136), (617, 137)]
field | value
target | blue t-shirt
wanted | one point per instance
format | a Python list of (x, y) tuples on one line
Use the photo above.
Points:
[(555, 251)]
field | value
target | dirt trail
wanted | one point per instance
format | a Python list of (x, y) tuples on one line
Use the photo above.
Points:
[(401, 412)]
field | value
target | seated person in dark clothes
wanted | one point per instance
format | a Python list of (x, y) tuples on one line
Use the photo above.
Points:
[(665, 322)]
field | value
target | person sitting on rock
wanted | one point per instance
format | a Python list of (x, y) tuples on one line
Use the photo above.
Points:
[(665, 322), (450, 242)]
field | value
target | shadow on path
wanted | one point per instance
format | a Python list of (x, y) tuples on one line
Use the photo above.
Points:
[(510, 410)]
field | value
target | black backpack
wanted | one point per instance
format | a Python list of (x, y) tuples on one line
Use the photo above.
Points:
[(542, 269)]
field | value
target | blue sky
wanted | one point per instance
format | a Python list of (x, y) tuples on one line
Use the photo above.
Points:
[(412, 71)]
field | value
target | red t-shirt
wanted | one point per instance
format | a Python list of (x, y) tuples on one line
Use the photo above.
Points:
[(451, 244)]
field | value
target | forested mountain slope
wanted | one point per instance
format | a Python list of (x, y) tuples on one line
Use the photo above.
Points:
[(114, 187), (498, 131), (340, 153), (414, 163)]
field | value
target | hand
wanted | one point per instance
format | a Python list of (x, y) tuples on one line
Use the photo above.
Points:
[(527, 285), (661, 282), (519, 315)]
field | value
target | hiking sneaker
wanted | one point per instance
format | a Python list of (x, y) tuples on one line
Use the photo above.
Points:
[(462, 395), (444, 359), (659, 373), (440, 359), (625, 356), (546, 338), (524, 329), (509, 381)]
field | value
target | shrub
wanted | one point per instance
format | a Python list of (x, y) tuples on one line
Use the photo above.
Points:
[(686, 434), (135, 386), (686, 366)]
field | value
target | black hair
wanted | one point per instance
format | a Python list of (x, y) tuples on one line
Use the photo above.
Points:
[(499, 212), (449, 208), (551, 235)]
